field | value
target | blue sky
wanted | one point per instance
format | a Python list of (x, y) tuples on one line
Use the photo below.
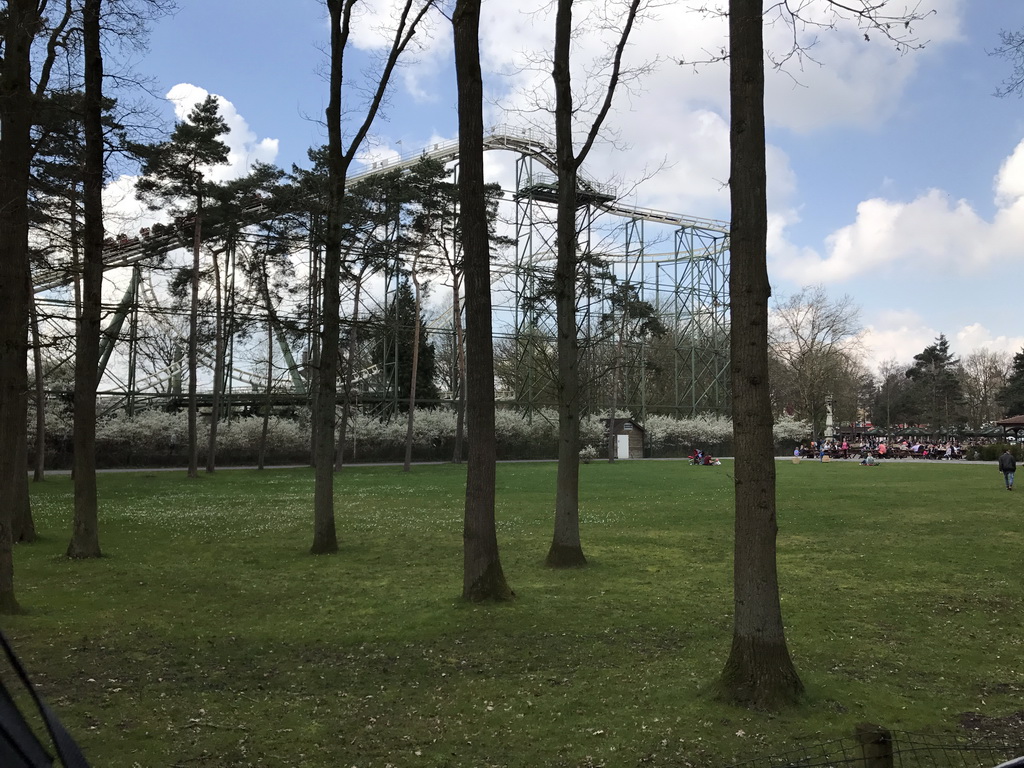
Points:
[(895, 179)]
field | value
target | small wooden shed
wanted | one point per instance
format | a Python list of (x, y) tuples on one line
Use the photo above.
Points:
[(629, 437)]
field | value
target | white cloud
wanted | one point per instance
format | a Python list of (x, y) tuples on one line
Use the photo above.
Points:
[(900, 334), (1009, 183), (976, 336), (122, 211), (895, 335), (843, 79), (930, 234)]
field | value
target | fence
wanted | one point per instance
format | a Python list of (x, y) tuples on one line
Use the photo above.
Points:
[(876, 747)]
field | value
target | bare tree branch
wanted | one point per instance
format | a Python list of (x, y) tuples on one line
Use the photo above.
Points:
[(1012, 49)]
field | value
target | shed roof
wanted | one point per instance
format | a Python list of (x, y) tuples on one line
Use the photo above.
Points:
[(619, 423)]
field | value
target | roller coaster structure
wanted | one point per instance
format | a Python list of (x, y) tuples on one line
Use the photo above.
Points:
[(677, 263)]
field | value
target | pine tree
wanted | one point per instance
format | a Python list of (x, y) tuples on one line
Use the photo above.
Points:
[(395, 352), (937, 386), (1012, 397), (175, 173)]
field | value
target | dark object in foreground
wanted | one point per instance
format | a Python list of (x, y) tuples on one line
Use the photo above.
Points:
[(19, 745)]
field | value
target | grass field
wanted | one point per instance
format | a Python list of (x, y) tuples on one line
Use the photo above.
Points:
[(207, 636)]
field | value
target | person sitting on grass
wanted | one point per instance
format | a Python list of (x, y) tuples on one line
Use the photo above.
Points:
[(868, 461)]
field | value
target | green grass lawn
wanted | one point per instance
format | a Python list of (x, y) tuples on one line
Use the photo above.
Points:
[(207, 636)]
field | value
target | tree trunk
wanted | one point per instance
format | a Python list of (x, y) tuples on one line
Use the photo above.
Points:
[(759, 671), (15, 159), (338, 161), (482, 575), (193, 347), (313, 361), (353, 350), (411, 416), (566, 550), (85, 540), (39, 471), (23, 527), (460, 353), (267, 401), (325, 536), (218, 367)]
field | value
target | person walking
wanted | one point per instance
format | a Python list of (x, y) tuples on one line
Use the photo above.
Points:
[(1008, 465)]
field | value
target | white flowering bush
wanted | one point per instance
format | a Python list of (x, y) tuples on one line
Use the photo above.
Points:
[(517, 428), (592, 430), (147, 431), (374, 437), (588, 454), (156, 437), (790, 430), (666, 432), (284, 436)]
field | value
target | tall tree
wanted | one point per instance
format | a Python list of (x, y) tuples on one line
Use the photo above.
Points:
[(984, 374), (482, 575), (1011, 397), (937, 384), (241, 207), (399, 343), (339, 158), (566, 549), (434, 232), (813, 340), (20, 25), (85, 541), (56, 200), (759, 669), (176, 173), (434, 243), (889, 397)]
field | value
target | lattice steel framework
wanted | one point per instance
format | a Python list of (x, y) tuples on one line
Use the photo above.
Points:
[(676, 263)]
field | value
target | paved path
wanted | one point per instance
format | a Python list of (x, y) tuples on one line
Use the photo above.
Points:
[(202, 471)]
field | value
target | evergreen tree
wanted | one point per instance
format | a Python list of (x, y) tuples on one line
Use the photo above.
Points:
[(1011, 398), (937, 387), (892, 399), (175, 173), (629, 318), (394, 352)]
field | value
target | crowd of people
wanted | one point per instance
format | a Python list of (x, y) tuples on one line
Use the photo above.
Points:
[(881, 449)]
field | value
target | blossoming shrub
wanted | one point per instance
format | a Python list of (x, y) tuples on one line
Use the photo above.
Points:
[(238, 441), (790, 432), (159, 438), (669, 436), (376, 439)]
